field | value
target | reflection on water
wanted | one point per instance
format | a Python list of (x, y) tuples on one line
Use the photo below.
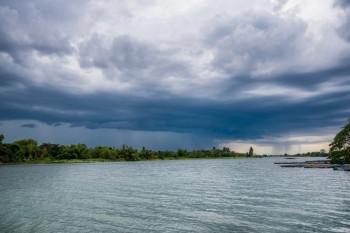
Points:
[(233, 195)]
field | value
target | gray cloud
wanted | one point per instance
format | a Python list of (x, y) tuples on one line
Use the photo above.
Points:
[(125, 53), (343, 30), (342, 3), (22, 33), (241, 76), (31, 126), (279, 4), (255, 41), (93, 53), (303, 81), (131, 61), (130, 55), (246, 119)]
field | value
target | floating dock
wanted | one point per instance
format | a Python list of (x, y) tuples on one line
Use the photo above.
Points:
[(316, 164)]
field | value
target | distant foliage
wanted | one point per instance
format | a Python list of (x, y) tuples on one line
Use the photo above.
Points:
[(251, 152), (321, 153), (340, 147), (27, 150)]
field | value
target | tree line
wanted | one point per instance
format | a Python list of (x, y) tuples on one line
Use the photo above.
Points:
[(321, 153), (28, 150)]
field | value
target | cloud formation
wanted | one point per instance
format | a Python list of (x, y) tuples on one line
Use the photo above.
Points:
[(239, 70), (23, 34), (31, 126), (343, 30)]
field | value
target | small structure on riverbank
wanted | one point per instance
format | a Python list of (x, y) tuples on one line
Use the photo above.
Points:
[(316, 164)]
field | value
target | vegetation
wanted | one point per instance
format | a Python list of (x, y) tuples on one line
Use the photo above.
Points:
[(28, 151), (340, 147), (321, 153), (251, 152)]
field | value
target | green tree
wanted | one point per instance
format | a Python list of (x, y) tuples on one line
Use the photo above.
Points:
[(339, 151), (28, 150), (129, 153), (146, 154), (214, 152), (79, 151), (251, 152), (3, 150), (49, 150), (166, 154), (104, 152), (181, 153)]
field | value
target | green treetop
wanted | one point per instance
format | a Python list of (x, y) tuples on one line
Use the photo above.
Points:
[(339, 151)]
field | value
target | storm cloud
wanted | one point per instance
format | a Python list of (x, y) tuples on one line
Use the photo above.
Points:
[(247, 71)]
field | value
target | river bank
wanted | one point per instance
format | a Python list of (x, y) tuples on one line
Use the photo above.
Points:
[(98, 160)]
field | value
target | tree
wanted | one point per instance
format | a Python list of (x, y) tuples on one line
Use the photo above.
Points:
[(251, 152), (28, 149), (104, 152), (181, 153), (214, 152), (2, 137), (49, 150), (226, 150), (129, 153), (339, 151), (145, 154), (3, 154), (79, 151)]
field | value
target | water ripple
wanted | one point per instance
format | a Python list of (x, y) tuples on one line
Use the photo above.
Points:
[(248, 195)]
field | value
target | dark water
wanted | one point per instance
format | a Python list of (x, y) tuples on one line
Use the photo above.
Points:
[(233, 195)]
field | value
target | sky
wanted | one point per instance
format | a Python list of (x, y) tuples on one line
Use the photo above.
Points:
[(194, 74)]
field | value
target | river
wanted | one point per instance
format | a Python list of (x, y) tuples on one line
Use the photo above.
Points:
[(228, 195)]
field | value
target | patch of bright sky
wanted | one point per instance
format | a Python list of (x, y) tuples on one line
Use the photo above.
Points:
[(289, 145), (273, 90)]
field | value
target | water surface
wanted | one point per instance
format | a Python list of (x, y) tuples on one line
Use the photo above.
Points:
[(230, 195)]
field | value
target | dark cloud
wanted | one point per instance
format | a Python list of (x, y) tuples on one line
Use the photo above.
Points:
[(250, 118), (342, 3), (310, 80), (8, 79), (31, 126), (240, 76), (303, 81)]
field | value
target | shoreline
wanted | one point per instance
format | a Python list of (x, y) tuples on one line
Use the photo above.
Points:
[(100, 160), (115, 161)]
